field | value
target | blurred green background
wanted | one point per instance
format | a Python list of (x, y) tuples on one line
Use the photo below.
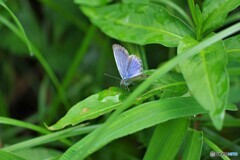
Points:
[(78, 53), (71, 46)]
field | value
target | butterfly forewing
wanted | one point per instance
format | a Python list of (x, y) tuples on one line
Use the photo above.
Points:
[(122, 59)]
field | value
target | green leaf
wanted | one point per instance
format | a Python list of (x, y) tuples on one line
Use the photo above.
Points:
[(233, 47), (19, 29), (167, 135), (133, 120), (193, 145), (91, 107), (171, 84), (139, 23), (9, 156), (220, 140), (231, 121), (197, 17), (70, 132), (14, 122), (38, 153), (92, 3), (215, 148), (206, 77), (215, 13)]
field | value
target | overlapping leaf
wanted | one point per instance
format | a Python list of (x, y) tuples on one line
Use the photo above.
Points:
[(206, 77), (139, 23), (167, 135), (215, 13), (91, 107), (193, 145), (133, 120), (233, 47), (170, 85)]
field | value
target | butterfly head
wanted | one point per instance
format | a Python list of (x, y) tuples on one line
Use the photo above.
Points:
[(124, 83)]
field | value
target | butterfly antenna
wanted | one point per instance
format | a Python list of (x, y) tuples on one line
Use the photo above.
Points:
[(111, 76)]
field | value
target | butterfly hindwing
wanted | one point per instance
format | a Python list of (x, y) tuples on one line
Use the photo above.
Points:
[(134, 67)]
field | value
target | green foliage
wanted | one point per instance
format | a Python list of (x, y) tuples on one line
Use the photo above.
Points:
[(167, 135), (145, 24), (39, 153), (207, 78), (193, 145), (133, 120), (233, 48), (10, 156), (215, 13), (190, 93), (91, 107)]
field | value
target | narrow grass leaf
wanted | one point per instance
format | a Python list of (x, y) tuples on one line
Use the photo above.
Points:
[(4, 155), (215, 148), (145, 23), (233, 48), (215, 13), (14, 122), (38, 153), (207, 78), (19, 26), (221, 141), (133, 120), (193, 145), (167, 139), (21, 34), (74, 131)]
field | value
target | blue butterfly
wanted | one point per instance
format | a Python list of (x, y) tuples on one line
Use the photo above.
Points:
[(129, 66)]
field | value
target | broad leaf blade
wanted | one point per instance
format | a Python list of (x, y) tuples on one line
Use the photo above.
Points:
[(193, 145), (233, 47), (139, 23), (206, 77), (133, 120), (96, 105), (215, 13), (167, 135), (91, 107)]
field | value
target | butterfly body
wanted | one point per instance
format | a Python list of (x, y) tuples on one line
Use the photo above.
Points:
[(129, 66)]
